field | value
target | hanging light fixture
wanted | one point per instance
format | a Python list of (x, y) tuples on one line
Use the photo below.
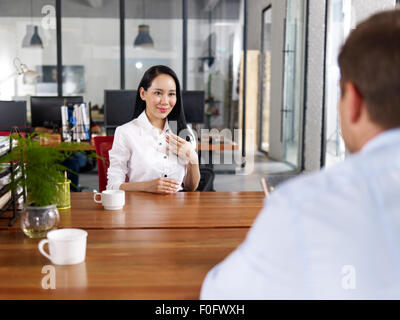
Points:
[(35, 40), (32, 38), (143, 39)]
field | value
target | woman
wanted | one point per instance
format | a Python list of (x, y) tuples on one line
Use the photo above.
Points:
[(146, 150)]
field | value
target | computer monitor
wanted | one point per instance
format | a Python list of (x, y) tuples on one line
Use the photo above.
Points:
[(46, 112), (118, 107), (193, 105), (12, 114)]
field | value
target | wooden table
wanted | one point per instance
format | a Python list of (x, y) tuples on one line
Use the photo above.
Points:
[(157, 247), (152, 211), (216, 147), (120, 264), (73, 146)]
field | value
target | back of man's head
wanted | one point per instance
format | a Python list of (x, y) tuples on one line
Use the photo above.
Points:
[(370, 59)]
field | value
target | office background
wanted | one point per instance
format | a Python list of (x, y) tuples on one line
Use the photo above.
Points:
[(264, 65)]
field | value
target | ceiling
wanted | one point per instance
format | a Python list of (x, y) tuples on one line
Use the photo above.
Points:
[(153, 9)]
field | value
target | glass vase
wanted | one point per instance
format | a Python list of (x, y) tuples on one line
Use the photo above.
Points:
[(37, 221)]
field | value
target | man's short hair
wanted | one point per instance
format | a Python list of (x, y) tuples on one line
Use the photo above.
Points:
[(370, 59)]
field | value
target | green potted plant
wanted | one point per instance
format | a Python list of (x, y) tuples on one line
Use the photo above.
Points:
[(39, 171)]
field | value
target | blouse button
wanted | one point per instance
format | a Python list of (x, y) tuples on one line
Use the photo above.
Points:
[(165, 175), (165, 157)]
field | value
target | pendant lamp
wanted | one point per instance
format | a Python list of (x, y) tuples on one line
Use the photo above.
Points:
[(26, 41), (35, 40), (143, 39), (32, 38)]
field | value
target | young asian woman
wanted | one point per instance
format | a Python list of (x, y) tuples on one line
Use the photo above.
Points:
[(147, 150)]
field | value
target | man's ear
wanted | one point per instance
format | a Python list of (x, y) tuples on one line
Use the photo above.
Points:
[(355, 102)]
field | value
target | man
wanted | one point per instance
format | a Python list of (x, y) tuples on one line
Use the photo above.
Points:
[(335, 234)]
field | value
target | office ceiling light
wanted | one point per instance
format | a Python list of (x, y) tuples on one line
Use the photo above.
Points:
[(32, 38), (143, 39)]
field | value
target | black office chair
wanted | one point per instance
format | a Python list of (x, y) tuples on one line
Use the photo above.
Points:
[(206, 183)]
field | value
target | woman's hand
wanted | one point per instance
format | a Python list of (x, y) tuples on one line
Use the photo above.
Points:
[(162, 185), (182, 148)]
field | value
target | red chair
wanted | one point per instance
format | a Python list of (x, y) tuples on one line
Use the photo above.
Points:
[(103, 145), (5, 131)]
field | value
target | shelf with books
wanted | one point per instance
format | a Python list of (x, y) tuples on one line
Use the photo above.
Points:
[(10, 200)]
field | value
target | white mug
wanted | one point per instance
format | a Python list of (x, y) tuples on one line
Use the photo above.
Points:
[(66, 246), (111, 199)]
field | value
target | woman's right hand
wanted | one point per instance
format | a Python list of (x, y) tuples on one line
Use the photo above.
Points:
[(162, 185)]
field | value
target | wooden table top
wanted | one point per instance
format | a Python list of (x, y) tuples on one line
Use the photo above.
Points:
[(73, 146), (152, 211), (157, 247), (120, 264)]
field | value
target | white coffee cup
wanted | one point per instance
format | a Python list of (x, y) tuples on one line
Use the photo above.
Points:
[(66, 246), (111, 199)]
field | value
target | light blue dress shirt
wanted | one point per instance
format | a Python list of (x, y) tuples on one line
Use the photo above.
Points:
[(334, 234)]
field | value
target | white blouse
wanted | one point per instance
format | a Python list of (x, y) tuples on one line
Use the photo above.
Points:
[(139, 152)]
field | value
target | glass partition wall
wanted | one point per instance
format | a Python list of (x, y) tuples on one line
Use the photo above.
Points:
[(339, 24), (293, 83), (153, 35), (215, 47), (265, 105), (28, 36), (91, 47), (90, 50), (282, 81)]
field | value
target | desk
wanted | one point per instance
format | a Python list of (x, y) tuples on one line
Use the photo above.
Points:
[(154, 211), (120, 264), (161, 249), (72, 146), (205, 145)]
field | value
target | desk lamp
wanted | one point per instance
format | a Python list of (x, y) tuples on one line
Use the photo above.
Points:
[(29, 76)]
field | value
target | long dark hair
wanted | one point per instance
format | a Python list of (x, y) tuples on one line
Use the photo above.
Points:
[(177, 114)]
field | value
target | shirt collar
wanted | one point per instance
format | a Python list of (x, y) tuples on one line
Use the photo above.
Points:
[(145, 122), (384, 139)]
